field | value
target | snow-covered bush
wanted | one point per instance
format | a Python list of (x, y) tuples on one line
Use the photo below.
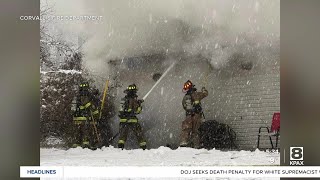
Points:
[(57, 90)]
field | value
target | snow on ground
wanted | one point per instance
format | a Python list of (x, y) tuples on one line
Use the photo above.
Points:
[(163, 156), (62, 71)]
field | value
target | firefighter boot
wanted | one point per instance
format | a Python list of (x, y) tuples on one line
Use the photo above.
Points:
[(75, 145), (143, 145), (121, 144), (85, 144), (184, 144)]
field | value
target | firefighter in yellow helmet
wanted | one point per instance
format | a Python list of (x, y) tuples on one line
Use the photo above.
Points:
[(86, 115), (129, 108), (192, 105)]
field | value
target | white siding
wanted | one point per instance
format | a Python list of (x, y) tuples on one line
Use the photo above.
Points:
[(243, 99), (247, 100)]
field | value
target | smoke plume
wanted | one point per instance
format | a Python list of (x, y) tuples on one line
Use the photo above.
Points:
[(214, 29)]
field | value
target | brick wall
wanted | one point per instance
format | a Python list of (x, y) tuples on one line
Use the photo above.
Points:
[(246, 100)]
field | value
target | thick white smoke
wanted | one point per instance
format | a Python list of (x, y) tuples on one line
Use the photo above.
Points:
[(215, 29)]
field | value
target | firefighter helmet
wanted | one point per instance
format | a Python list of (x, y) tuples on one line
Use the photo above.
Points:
[(187, 86), (84, 84), (84, 89), (131, 89)]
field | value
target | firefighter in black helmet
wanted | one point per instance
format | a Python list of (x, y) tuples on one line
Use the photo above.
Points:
[(129, 108), (86, 114)]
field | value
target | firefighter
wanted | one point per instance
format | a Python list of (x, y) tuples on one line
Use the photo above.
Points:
[(129, 108), (192, 105), (85, 117)]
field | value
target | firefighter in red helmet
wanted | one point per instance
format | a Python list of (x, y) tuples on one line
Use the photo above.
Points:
[(192, 105)]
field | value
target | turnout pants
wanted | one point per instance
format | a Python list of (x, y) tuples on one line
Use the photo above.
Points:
[(124, 128), (190, 134), (82, 134)]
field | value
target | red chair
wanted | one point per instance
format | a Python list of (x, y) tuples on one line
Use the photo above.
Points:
[(275, 130)]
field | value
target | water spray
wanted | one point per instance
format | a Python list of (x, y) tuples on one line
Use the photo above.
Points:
[(164, 74)]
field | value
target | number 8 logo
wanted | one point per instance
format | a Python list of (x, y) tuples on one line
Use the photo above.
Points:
[(296, 153)]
